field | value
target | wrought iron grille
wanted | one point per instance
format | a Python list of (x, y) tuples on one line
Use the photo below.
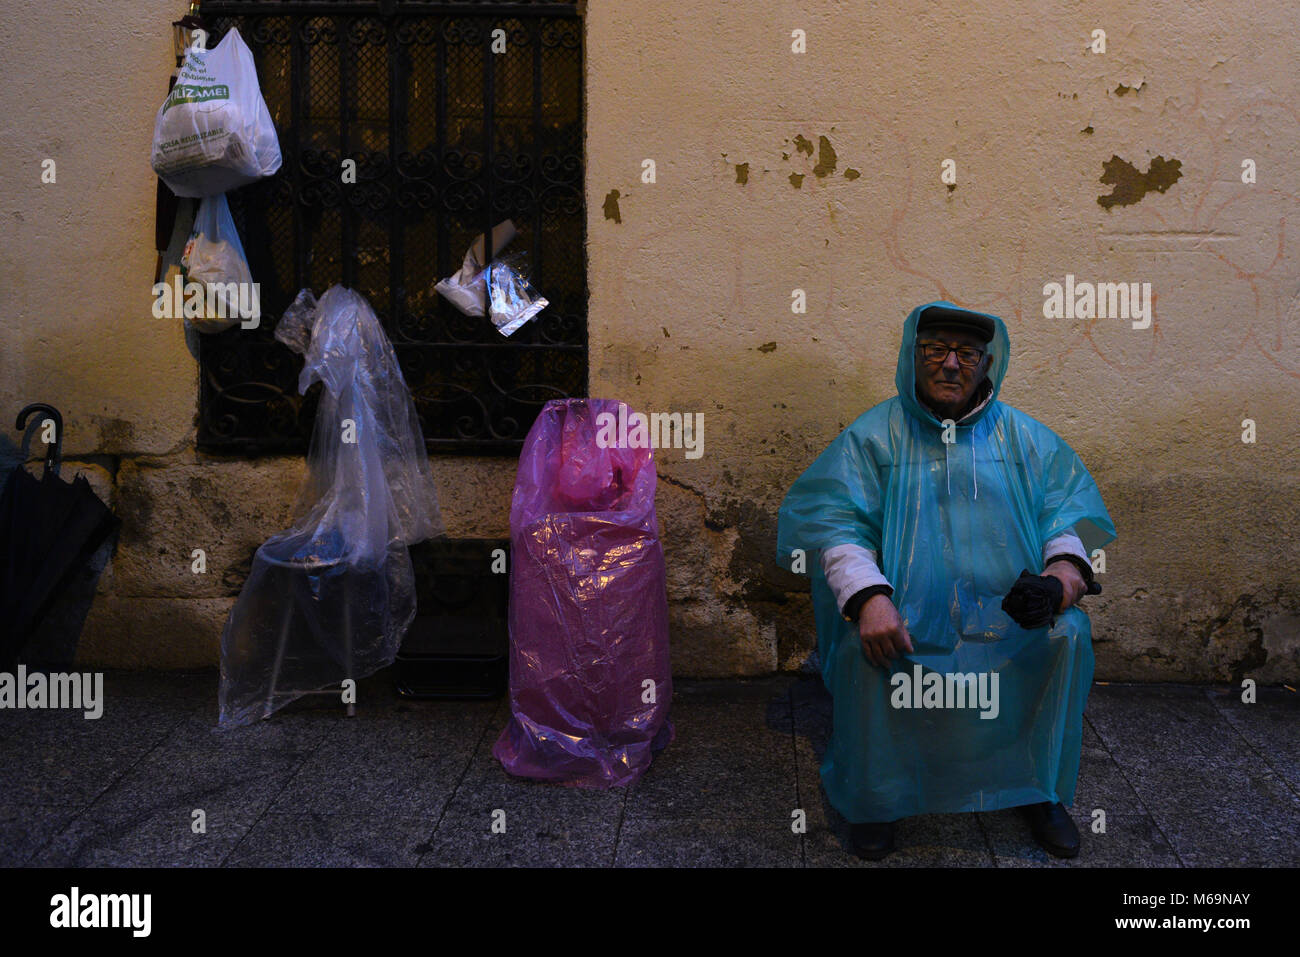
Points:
[(449, 138)]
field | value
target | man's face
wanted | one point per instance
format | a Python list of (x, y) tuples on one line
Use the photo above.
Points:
[(947, 386)]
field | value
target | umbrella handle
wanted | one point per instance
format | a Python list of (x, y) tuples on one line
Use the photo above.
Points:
[(53, 453)]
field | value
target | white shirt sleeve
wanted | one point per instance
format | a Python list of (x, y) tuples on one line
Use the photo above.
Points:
[(1067, 543), (849, 569)]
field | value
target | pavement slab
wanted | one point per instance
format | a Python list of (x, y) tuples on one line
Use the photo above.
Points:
[(1170, 775)]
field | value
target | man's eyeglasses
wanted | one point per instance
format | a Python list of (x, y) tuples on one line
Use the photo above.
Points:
[(937, 353)]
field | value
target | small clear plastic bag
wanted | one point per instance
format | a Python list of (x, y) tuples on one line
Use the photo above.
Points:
[(512, 300)]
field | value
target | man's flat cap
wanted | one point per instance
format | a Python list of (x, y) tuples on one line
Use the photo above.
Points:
[(943, 317)]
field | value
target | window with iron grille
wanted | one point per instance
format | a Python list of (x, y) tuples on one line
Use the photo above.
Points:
[(449, 139)]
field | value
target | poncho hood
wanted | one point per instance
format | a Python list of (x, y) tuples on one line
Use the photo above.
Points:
[(905, 378)]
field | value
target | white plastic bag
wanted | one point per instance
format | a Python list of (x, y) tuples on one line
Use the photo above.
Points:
[(467, 289), (214, 256), (213, 132)]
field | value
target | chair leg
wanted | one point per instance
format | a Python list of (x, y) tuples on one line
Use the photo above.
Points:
[(279, 657), (347, 649)]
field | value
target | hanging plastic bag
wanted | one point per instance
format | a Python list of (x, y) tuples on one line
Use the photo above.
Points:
[(214, 257), (214, 133), (467, 289), (512, 300), (331, 598), (590, 682)]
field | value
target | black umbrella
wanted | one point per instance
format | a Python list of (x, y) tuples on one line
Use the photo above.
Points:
[(49, 530)]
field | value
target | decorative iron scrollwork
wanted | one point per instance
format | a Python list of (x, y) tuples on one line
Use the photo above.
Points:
[(440, 158)]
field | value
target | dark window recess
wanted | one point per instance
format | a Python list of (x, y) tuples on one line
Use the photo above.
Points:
[(449, 139)]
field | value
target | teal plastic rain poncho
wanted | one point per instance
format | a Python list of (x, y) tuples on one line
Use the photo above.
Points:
[(952, 525)]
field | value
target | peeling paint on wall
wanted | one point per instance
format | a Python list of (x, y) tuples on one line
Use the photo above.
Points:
[(611, 206), (803, 144), (767, 347), (1122, 88), (826, 158), (851, 173), (742, 173), (1129, 185), (796, 180)]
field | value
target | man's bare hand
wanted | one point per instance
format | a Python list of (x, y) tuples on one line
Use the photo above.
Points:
[(1072, 584), (882, 631)]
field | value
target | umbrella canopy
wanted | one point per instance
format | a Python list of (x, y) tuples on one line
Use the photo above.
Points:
[(49, 529)]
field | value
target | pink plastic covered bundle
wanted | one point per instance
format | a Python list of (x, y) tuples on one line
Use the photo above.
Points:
[(590, 683)]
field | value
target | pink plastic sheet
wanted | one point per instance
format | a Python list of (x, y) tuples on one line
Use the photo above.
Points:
[(590, 683)]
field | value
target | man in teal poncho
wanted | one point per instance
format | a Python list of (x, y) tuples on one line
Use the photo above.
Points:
[(914, 524)]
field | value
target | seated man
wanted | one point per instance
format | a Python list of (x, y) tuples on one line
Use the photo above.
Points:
[(914, 524)]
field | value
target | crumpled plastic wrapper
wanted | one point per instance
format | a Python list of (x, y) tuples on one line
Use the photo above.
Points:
[(467, 289), (512, 300)]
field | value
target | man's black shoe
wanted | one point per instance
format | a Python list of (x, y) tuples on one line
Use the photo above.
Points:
[(873, 841), (1052, 828)]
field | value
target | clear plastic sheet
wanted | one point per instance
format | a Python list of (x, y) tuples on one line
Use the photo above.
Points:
[(590, 683), (953, 524), (331, 597)]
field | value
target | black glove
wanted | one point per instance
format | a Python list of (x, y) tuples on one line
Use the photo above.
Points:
[(1033, 600)]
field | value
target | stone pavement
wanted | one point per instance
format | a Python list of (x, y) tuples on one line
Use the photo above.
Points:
[(1187, 776)]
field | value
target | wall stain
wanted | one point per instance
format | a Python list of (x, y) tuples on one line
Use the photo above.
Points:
[(1129, 185), (205, 493), (114, 433), (742, 173), (611, 206), (826, 158), (135, 509)]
